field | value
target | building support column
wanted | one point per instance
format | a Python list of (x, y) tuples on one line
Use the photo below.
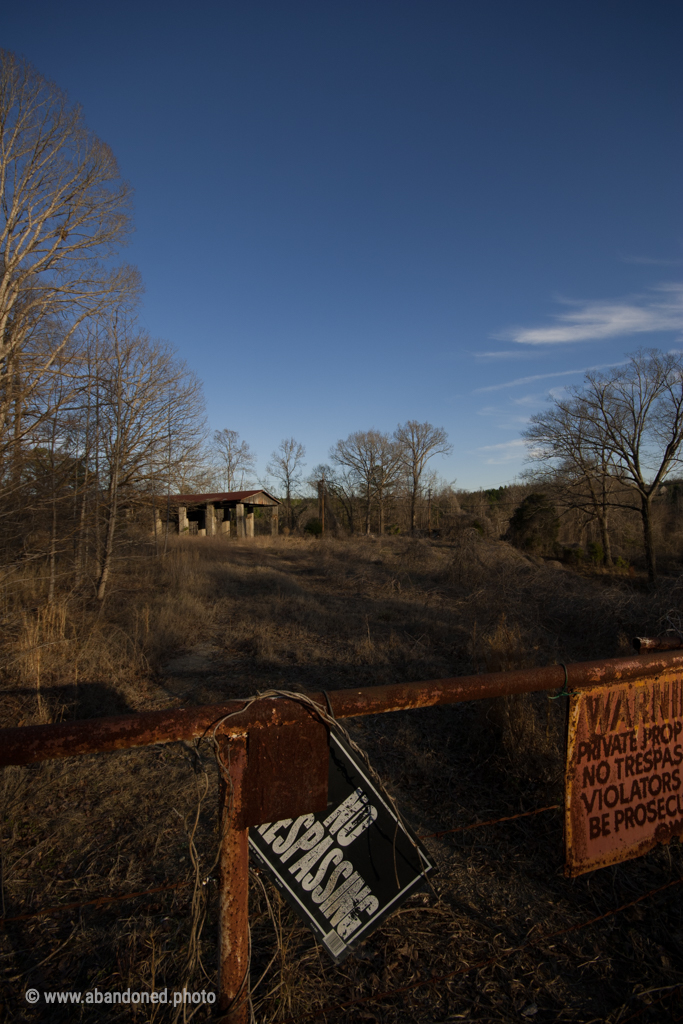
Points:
[(250, 523), (274, 521), (239, 516), (183, 525), (210, 520)]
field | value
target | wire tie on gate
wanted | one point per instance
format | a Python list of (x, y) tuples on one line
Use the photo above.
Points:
[(564, 692)]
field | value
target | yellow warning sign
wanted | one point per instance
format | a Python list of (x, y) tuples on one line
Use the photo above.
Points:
[(623, 790)]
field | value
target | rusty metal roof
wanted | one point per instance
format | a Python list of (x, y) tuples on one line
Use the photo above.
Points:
[(191, 499)]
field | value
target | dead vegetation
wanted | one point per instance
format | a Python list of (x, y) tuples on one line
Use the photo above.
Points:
[(216, 619)]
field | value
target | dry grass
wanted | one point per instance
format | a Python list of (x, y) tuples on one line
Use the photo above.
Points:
[(215, 619)]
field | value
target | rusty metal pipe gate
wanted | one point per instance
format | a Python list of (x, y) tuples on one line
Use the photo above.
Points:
[(274, 763)]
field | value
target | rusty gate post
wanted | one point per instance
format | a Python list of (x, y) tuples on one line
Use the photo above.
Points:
[(233, 900)]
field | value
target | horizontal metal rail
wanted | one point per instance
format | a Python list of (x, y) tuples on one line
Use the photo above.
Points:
[(656, 643), (28, 744)]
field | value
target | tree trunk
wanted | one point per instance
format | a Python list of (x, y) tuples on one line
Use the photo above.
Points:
[(17, 447), (606, 541), (645, 513), (108, 545), (53, 552), (53, 532), (82, 542), (413, 510), (98, 546), (82, 548), (168, 483)]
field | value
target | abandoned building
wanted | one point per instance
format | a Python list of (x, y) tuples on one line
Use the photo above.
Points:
[(230, 514)]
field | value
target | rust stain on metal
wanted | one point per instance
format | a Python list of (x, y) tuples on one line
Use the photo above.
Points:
[(657, 643), (29, 744), (287, 772), (623, 792), (233, 900)]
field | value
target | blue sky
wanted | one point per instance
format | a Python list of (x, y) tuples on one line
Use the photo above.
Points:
[(353, 214)]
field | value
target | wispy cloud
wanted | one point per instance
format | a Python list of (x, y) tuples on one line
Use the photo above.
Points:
[(596, 321), (508, 451), (509, 419), (509, 354), (649, 261), (541, 376), (505, 445), (531, 400)]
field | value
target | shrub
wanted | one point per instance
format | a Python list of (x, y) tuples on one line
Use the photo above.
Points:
[(573, 555), (596, 553), (534, 525), (314, 527)]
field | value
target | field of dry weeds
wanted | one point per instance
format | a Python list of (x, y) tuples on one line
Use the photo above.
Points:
[(218, 619)]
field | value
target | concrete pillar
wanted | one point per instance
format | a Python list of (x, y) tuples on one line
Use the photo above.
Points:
[(158, 528), (224, 528), (201, 533), (210, 520), (183, 525), (239, 515), (273, 521), (250, 523)]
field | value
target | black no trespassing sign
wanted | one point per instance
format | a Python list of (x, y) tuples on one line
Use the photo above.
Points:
[(345, 870)]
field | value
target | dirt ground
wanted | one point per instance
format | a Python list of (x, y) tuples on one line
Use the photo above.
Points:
[(216, 620)]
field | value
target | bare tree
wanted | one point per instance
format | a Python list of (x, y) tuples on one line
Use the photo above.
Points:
[(357, 455), (637, 413), (92, 412), (634, 415), (387, 468), (150, 422), (418, 443), (572, 442), (48, 471), (236, 457), (285, 465), (63, 209), (341, 485), (373, 460)]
